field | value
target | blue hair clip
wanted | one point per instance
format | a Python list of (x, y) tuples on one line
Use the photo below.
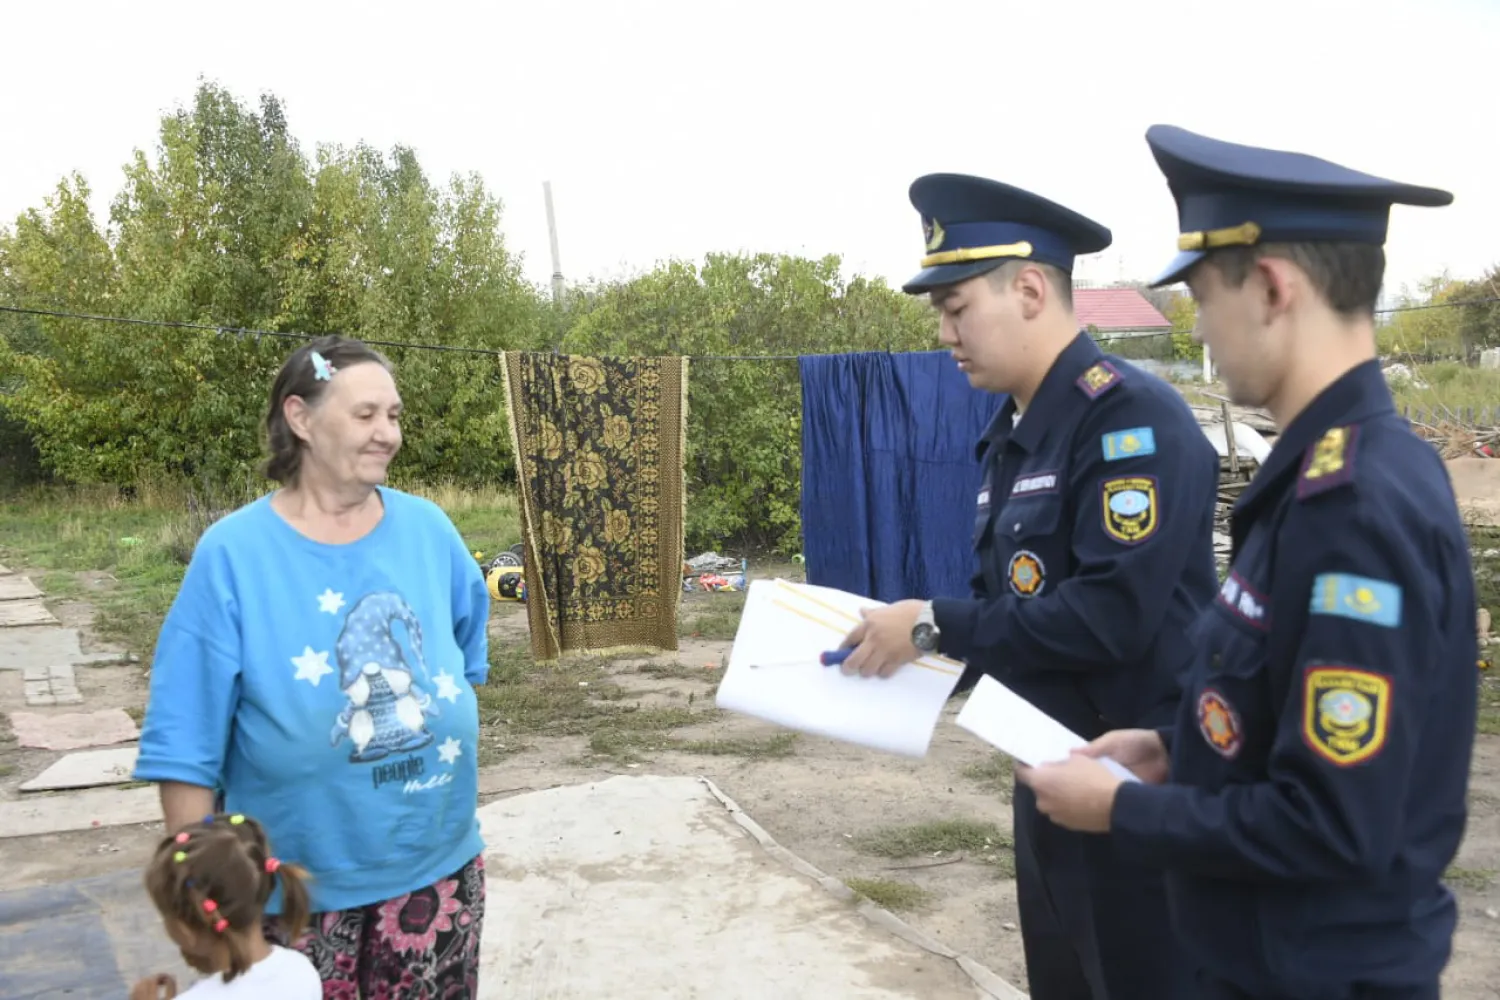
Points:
[(321, 368)]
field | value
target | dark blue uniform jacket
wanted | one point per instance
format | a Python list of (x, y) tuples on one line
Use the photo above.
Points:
[(1320, 757), (1094, 532)]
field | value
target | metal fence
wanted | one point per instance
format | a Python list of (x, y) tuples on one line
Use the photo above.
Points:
[(1462, 416)]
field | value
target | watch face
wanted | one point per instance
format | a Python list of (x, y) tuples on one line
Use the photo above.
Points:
[(924, 637)]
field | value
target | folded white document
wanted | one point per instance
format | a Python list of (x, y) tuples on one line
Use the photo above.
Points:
[(1008, 722)]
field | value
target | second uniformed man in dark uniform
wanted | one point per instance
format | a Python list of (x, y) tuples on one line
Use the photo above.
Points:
[(1095, 546), (1319, 763)]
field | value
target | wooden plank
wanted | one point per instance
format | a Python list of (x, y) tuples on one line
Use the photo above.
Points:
[(87, 769), (15, 613), (60, 813), (17, 588)]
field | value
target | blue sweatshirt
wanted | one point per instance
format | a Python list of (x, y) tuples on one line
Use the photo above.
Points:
[(329, 689)]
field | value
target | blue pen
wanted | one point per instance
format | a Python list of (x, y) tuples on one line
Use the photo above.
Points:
[(832, 658)]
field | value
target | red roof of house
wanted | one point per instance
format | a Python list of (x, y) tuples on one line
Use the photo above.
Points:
[(1116, 309)]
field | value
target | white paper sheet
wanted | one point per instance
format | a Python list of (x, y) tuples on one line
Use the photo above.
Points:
[(774, 673), (1010, 723)]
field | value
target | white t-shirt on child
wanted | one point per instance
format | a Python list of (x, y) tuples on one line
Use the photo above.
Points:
[(284, 974)]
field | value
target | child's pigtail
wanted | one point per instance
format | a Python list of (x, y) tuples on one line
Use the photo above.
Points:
[(294, 898)]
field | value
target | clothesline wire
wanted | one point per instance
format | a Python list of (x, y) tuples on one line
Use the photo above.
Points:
[(241, 332)]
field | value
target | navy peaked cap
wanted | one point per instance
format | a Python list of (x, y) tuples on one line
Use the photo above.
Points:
[(971, 225), (1233, 195)]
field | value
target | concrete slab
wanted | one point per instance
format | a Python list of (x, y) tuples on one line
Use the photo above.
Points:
[(54, 685), (73, 730), (646, 886), (14, 613), (85, 810), (38, 646), (107, 922), (86, 769), (637, 887), (15, 588)]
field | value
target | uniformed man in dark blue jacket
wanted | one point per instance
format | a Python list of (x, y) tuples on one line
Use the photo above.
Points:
[(1094, 535), (1320, 759)]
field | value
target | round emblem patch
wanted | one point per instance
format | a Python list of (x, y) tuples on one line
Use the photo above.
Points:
[(1027, 575), (1219, 723), (1129, 503), (1345, 708)]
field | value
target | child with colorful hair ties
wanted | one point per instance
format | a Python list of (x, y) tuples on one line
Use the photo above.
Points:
[(211, 883)]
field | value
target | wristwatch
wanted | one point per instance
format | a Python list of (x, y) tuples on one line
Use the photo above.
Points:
[(925, 634)]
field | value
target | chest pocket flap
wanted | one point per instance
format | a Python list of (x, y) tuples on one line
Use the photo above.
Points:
[(1027, 519), (1031, 544)]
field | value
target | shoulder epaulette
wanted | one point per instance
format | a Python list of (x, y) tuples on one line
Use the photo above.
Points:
[(1329, 463), (1099, 379)]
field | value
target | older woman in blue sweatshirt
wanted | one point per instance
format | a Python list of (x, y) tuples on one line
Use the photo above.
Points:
[(318, 666)]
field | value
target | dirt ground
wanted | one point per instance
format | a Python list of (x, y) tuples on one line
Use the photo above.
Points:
[(928, 838)]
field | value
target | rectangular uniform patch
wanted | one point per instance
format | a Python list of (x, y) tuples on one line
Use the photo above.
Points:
[(1358, 597), (1244, 602), (1129, 508), (1329, 462), (1345, 712), (1098, 380), (1033, 483), (1134, 443)]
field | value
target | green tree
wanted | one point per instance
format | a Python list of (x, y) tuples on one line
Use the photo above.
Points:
[(227, 223), (1182, 312), (1421, 323), (56, 258), (1478, 322)]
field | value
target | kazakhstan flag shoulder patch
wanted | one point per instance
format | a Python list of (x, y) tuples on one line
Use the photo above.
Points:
[(1359, 598), (1133, 443)]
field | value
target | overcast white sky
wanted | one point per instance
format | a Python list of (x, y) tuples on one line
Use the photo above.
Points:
[(677, 128)]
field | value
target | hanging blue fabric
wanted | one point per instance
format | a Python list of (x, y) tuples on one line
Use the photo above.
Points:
[(889, 475)]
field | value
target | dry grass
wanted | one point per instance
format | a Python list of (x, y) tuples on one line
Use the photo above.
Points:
[(580, 696), (890, 894), (983, 843), (994, 774), (1477, 879), (1448, 384), (766, 748), (712, 616)]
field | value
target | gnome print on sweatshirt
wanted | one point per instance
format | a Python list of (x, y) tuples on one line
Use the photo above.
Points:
[(391, 700)]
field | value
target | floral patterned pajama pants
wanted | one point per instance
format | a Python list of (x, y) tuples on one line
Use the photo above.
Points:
[(420, 946)]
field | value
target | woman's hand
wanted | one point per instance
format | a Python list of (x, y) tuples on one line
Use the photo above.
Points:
[(158, 987)]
